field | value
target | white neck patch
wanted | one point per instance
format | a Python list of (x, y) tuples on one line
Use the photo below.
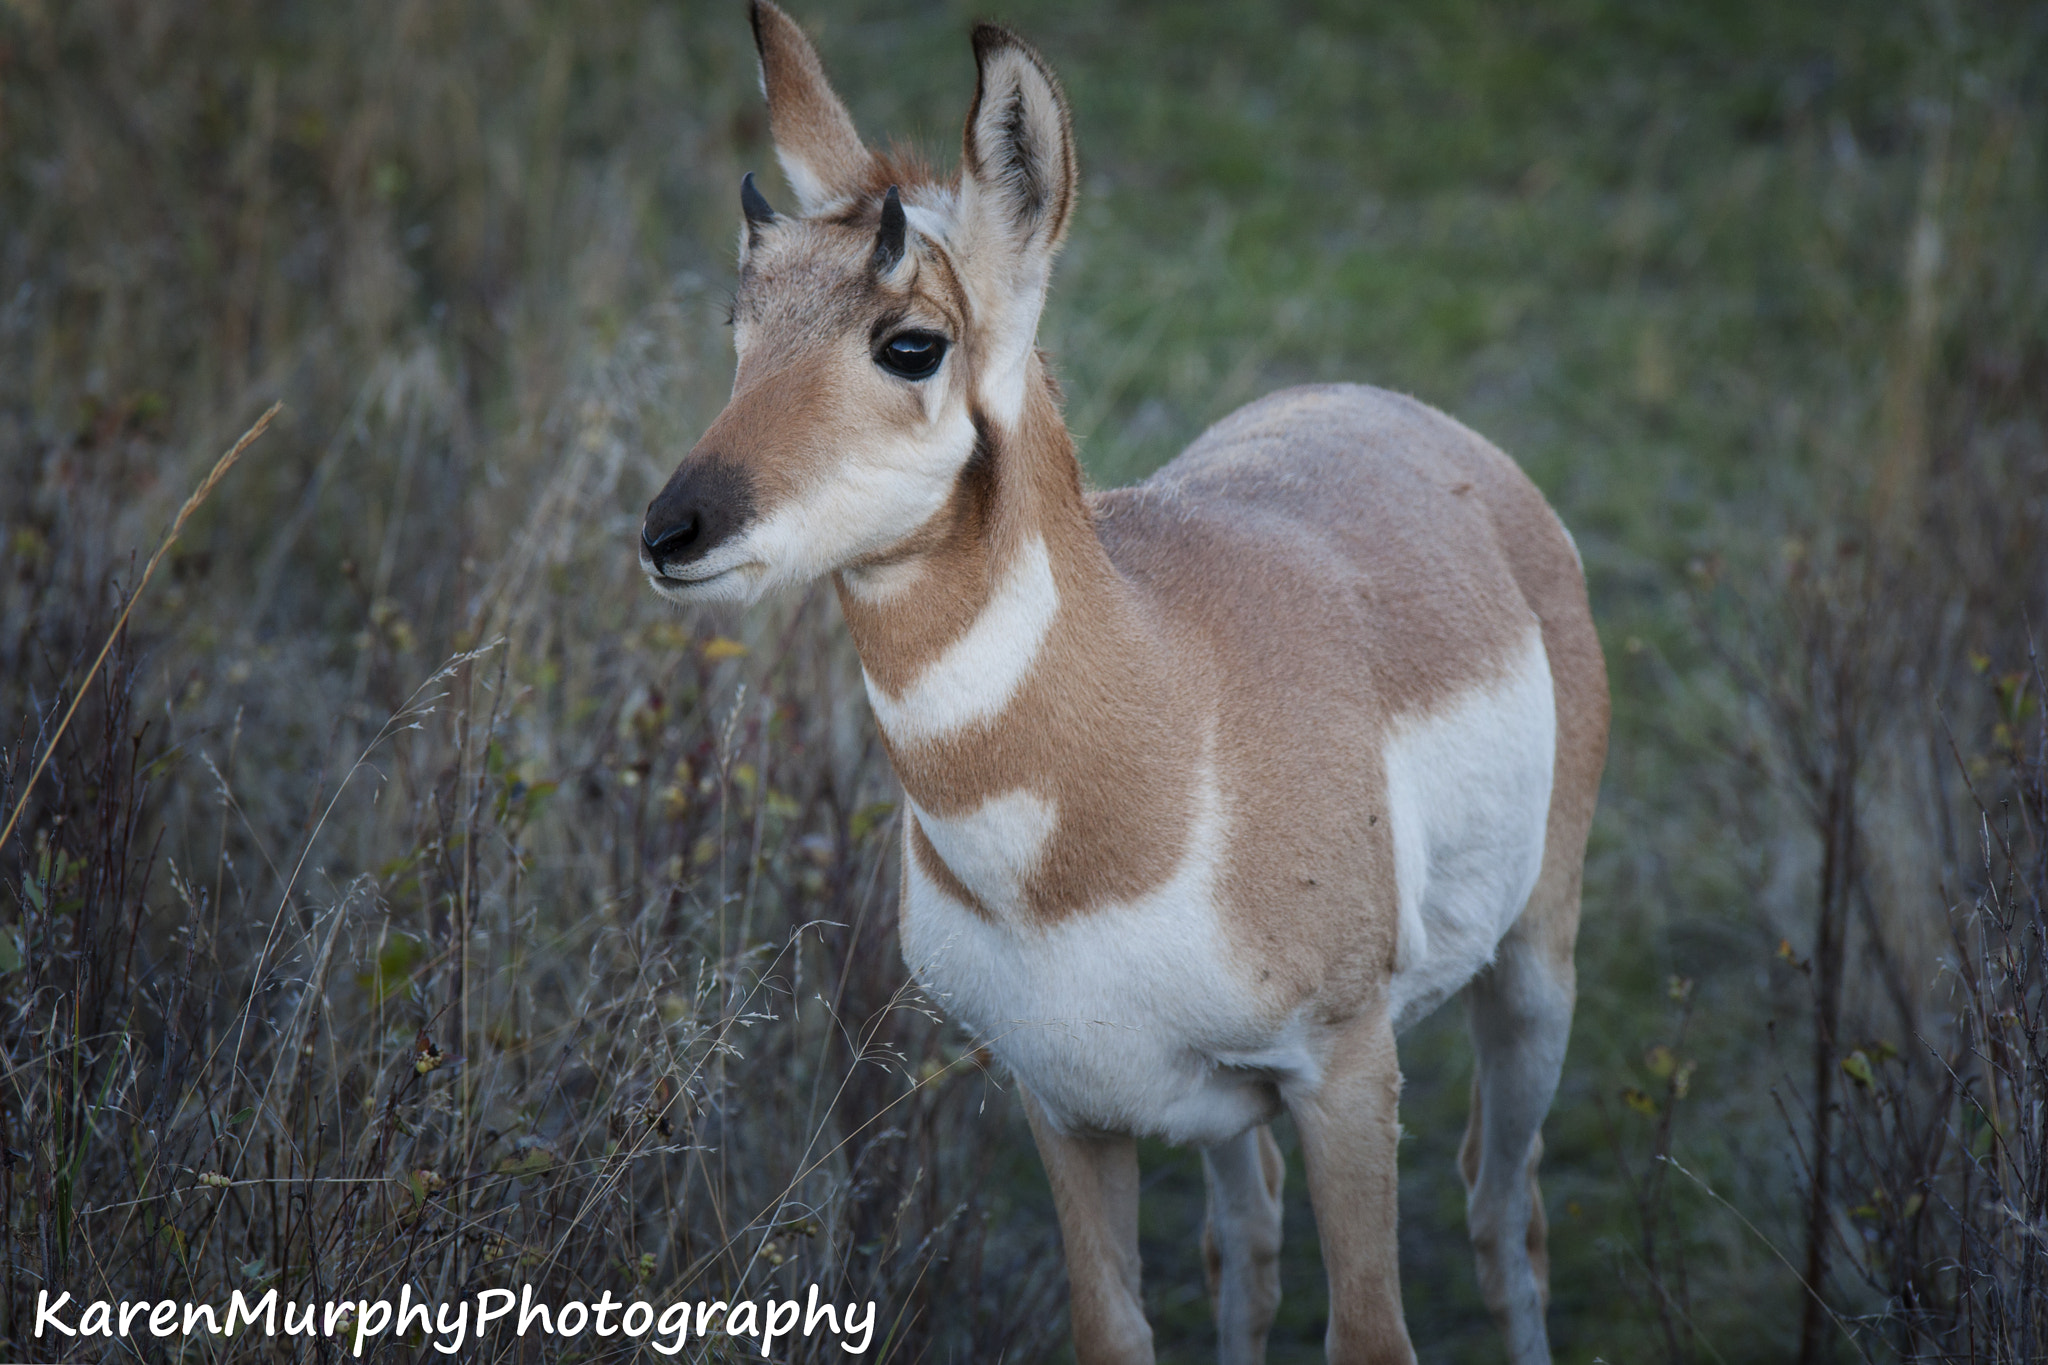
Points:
[(979, 674), (995, 848)]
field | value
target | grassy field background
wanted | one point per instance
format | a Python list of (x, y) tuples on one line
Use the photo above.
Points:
[(1757, 293)]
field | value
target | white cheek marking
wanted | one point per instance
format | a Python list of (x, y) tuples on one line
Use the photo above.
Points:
[(1468, 792), (995, 848), (870, 499), (980, 672), (1010, 329)]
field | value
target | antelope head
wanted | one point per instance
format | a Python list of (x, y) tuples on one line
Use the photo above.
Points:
[(885, 332)]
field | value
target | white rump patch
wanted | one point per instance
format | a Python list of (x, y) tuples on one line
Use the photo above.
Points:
[(978, 675), (1468, 792)]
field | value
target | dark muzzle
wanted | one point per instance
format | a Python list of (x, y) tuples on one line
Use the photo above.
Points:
[(703, 505)]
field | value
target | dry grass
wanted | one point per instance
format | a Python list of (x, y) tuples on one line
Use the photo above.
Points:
[(423, 1076)]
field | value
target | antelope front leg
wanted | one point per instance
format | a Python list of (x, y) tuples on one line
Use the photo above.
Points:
[(1348, 1132), (1095, 1190)]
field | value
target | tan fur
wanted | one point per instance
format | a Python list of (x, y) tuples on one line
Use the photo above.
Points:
[(1094, 1181), (1318, 574)]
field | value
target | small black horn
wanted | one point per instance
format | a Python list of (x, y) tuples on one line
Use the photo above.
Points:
[(753, 203), (889, 243)]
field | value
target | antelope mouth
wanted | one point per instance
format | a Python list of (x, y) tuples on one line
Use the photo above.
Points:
[(663, 579), (707, 585)]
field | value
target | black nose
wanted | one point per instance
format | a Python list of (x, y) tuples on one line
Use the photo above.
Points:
[(673, 542), (704, 504)]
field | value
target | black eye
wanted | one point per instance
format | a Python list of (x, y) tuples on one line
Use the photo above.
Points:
[(913, 355)]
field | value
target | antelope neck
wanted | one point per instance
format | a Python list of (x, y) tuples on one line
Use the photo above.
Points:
[(952, 627), (1009, 661)]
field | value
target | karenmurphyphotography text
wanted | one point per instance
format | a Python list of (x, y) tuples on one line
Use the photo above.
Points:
[(447, 1326)]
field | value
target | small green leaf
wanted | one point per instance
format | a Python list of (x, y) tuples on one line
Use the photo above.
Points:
[(241, 1115), (1638, 1101), (10, 953), (1858, 1067)]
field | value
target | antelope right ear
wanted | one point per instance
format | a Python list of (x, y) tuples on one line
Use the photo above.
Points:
[(821, 153), (1019, 175)]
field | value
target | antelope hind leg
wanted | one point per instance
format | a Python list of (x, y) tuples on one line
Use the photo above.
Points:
[(1241, 1241), (1095, 1192), (1521, 1018)]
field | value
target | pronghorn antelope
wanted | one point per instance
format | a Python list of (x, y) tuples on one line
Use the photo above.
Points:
[(1214, 784)]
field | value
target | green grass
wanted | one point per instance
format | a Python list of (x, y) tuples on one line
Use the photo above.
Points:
[(1659, 252)]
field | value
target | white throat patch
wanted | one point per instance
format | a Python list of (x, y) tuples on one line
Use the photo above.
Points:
[(979, 674), (995, 848)]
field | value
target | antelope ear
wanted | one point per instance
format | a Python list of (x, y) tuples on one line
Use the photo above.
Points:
[(821, 154), (1019, 174)]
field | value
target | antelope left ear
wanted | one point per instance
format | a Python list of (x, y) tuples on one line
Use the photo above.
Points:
[(1019, 174), (821, 154)]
